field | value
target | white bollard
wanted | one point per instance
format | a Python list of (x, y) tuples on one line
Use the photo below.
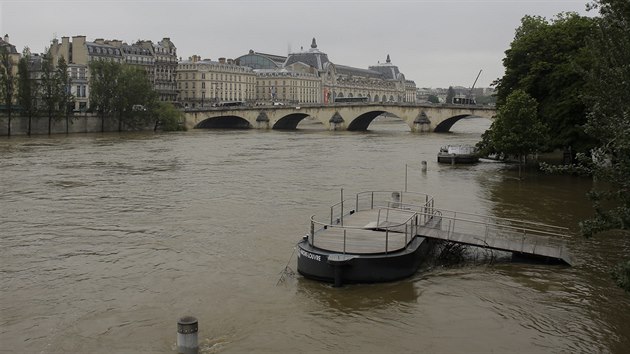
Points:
[(187, 328)]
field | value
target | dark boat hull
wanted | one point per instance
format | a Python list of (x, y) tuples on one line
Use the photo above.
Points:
[(322, 265), (457, 159)]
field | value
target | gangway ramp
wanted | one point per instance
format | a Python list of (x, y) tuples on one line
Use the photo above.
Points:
[(523, 238)]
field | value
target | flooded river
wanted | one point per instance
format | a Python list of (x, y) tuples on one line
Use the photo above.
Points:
[(106, 240)]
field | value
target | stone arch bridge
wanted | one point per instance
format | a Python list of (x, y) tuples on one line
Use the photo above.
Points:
[(352, 117)]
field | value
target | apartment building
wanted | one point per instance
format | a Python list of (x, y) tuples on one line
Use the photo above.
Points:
[(204, 82)]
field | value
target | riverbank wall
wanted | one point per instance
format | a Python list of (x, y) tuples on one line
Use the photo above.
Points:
[(77, 123)]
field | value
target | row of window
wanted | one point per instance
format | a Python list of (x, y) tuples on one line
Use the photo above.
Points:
[(213, 76)]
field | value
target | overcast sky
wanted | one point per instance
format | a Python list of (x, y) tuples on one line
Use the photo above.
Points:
[(435, 43)]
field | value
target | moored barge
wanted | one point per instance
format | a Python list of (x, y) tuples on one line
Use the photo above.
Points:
[(372, 238), (381, 236), (458, 154)]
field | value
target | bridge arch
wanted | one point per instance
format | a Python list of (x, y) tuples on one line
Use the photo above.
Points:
[(445, 125), (289, 122), (362, 122), (224, 122)]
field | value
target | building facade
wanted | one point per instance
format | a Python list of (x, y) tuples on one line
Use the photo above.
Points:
[(379, 83), (159, 61), (164, 74), (205, 82), (13, 57)]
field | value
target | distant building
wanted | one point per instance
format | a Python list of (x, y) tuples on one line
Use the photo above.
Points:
[(315, 72), (159, 60), (204, 82), (14, 58), (165, 72)]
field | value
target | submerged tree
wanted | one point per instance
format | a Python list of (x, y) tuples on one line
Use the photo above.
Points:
[(516, 130), (167, 117)]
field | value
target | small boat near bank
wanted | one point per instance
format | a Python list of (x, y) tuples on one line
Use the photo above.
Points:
[(458, 154), (381, 236)]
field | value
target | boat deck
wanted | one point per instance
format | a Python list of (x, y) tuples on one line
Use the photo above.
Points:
[(361, 236)]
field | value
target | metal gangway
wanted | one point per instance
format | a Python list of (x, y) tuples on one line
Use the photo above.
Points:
[(385, 221)]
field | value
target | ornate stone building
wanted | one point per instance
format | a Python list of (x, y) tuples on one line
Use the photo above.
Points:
[(14, 55), (159, 60), (203, 82), (164, 76), (379, 83)]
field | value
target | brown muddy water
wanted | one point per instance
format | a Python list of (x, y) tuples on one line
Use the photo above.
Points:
[(106, 240)]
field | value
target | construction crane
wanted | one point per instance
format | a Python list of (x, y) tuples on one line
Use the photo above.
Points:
[(470, 93)]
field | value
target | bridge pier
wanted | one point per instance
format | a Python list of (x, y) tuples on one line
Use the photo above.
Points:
[(336, 122), (421, 124)]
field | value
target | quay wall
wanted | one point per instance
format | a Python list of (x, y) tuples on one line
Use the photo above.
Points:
[(78, 123)]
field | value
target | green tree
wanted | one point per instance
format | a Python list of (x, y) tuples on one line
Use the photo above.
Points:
[(433, 99), (548, 60), (50, 90), (516, 130), (103, 88), (134, 96), (167, 117), (609, 123), (27, 88), (450, 94), (66, 99), (7, 83)]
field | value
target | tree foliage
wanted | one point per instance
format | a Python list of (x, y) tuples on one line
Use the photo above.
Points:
[(121, 92), (450, 94), (27, 88), (167, 117), (609, 123), (7, 83), (516, 130), (66, 99), (134, 97), (50, 90), (103, 88), (433, 99), (548, 60)]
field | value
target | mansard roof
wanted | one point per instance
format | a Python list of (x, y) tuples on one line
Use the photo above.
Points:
[(313, 57), (102, 49), (135, 49), (349, 70), (387, 69)]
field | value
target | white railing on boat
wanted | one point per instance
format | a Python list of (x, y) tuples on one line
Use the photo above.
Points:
[(418, 206), (415, 210)]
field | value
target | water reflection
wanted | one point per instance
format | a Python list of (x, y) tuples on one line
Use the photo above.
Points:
[(355, 299)]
